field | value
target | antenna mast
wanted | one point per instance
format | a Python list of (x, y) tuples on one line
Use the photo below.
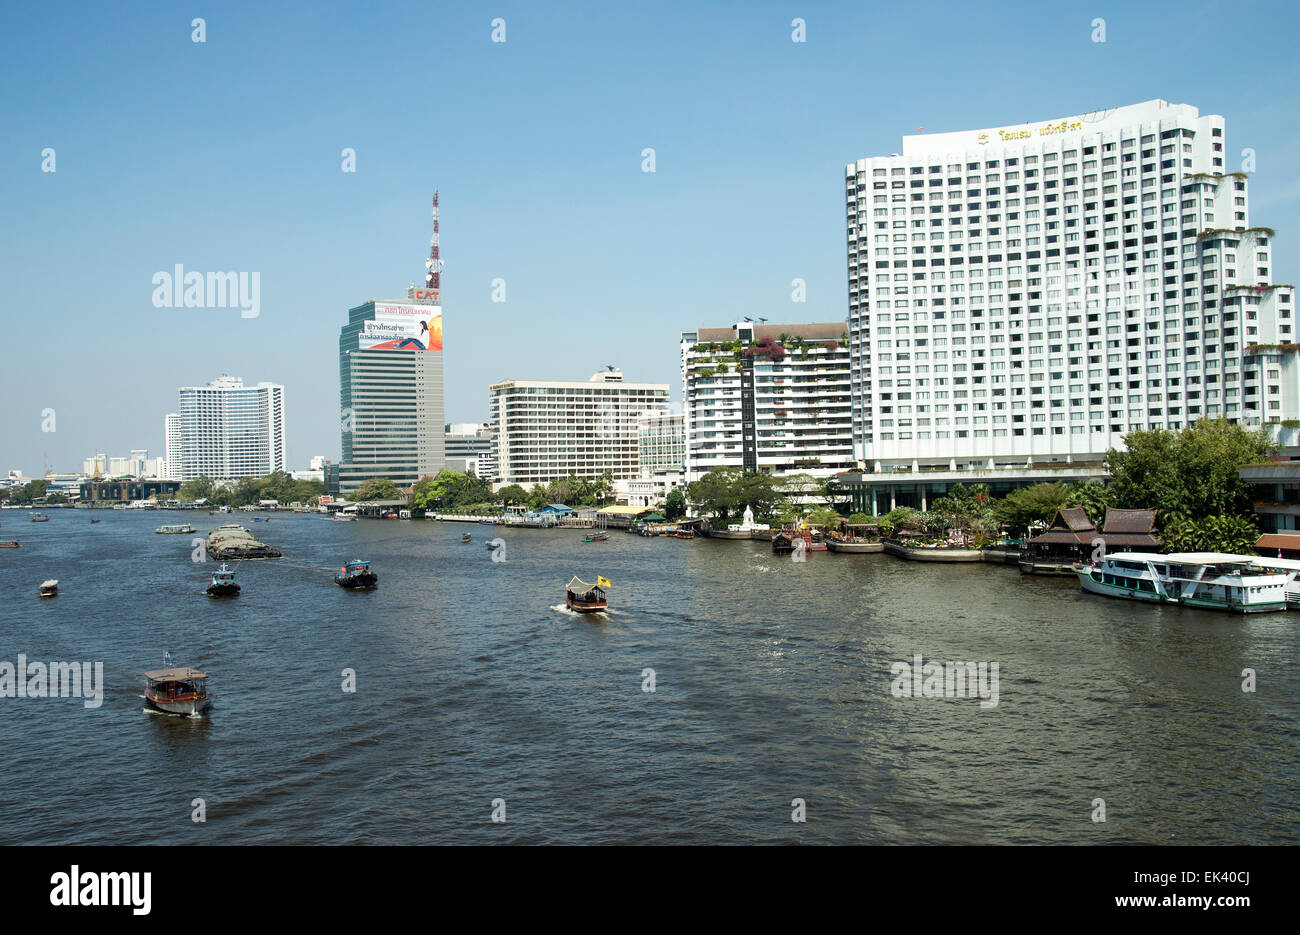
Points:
[(433, 278)]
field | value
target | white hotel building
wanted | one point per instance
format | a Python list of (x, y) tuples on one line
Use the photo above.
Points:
[(1034, 292), (780, 412), (547, 430), (230, 430)]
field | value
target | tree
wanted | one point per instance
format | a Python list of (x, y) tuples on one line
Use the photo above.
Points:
[(675, 504), (825, 516), (1191, 473), (512, 493), (1234, 534), (715, 492), (963, 505), (376, 488), (1029, 505), (199, 488), (859, 519), (537, 497)]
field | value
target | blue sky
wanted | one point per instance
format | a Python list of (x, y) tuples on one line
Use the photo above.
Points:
[(226, 155)]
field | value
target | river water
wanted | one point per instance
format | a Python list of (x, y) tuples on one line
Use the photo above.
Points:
[(772, 683)]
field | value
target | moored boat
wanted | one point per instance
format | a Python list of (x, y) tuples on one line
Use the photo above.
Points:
[(223, 583), (177, 690), (1208, 580), (782, 542), (584, 598), (49, 588), (356, 576)]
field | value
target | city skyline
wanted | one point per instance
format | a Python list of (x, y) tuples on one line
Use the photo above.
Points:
[(753, 135)]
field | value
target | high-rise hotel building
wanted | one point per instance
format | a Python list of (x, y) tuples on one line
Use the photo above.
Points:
[(771, 398), (228, 430), (547, 430), (1034, 292), (390, 378)]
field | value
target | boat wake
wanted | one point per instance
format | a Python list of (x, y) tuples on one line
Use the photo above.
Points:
[(563, 609)]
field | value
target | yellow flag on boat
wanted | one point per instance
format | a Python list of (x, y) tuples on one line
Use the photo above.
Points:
[(602, 582)]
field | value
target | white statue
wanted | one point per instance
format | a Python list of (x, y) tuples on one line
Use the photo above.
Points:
[(748, 521)]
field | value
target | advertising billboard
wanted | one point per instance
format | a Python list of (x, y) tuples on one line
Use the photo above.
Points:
[(401, 327)]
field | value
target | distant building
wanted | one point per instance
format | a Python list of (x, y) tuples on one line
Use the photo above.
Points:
[(172, 428), (125, 491), (468, 449), (229, 430), (545, 430), (120, 467), (770, 398), (96, 466)]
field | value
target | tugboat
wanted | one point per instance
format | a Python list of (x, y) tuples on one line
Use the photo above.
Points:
[(465, 538), (180, 690), (583, 598), (356, 576), (223, 583), (50, 588)]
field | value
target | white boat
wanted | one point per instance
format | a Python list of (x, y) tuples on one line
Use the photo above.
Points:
[(174, 530), (1283, 566), (1209, 580), (343, 518)]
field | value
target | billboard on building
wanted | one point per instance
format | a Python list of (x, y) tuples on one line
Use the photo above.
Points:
[(401, 327)]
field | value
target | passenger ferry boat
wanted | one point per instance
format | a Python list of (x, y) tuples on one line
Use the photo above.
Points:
[(178, 690), (174, 530), (583, 598), (49, 588), (1211, 580), (595, 537)]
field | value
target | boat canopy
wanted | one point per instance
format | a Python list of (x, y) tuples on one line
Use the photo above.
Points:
[(578, 586), (179, 674)]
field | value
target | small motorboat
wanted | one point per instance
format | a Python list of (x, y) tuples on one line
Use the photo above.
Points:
[(93, 521), (9, 544), (595, 537), (40, 517), (466, 537), (493, 544), (223, 583), (178, 690), (49, 588), (356, 576), (583, 598)]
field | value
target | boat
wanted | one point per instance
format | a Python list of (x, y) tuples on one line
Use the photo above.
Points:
[(1209, 580), (493, 544), (9, 544), (466, 537), (93, 521), (40, 517), (782, 542), (343, 518), (177, 690), (356, 576), (584, 598), (233, 541), (174, 530), (595, 537), (223, 583), (49, 588)]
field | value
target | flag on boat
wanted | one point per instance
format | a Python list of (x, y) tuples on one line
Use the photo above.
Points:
[(602, 582)]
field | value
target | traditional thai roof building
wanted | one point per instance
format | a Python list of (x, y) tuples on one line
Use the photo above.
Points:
[(1072, 536)]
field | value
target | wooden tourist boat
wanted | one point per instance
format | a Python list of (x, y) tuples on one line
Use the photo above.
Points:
[(583, 598), (178, 690), (223, 583), (356, 576), (782, 542)]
